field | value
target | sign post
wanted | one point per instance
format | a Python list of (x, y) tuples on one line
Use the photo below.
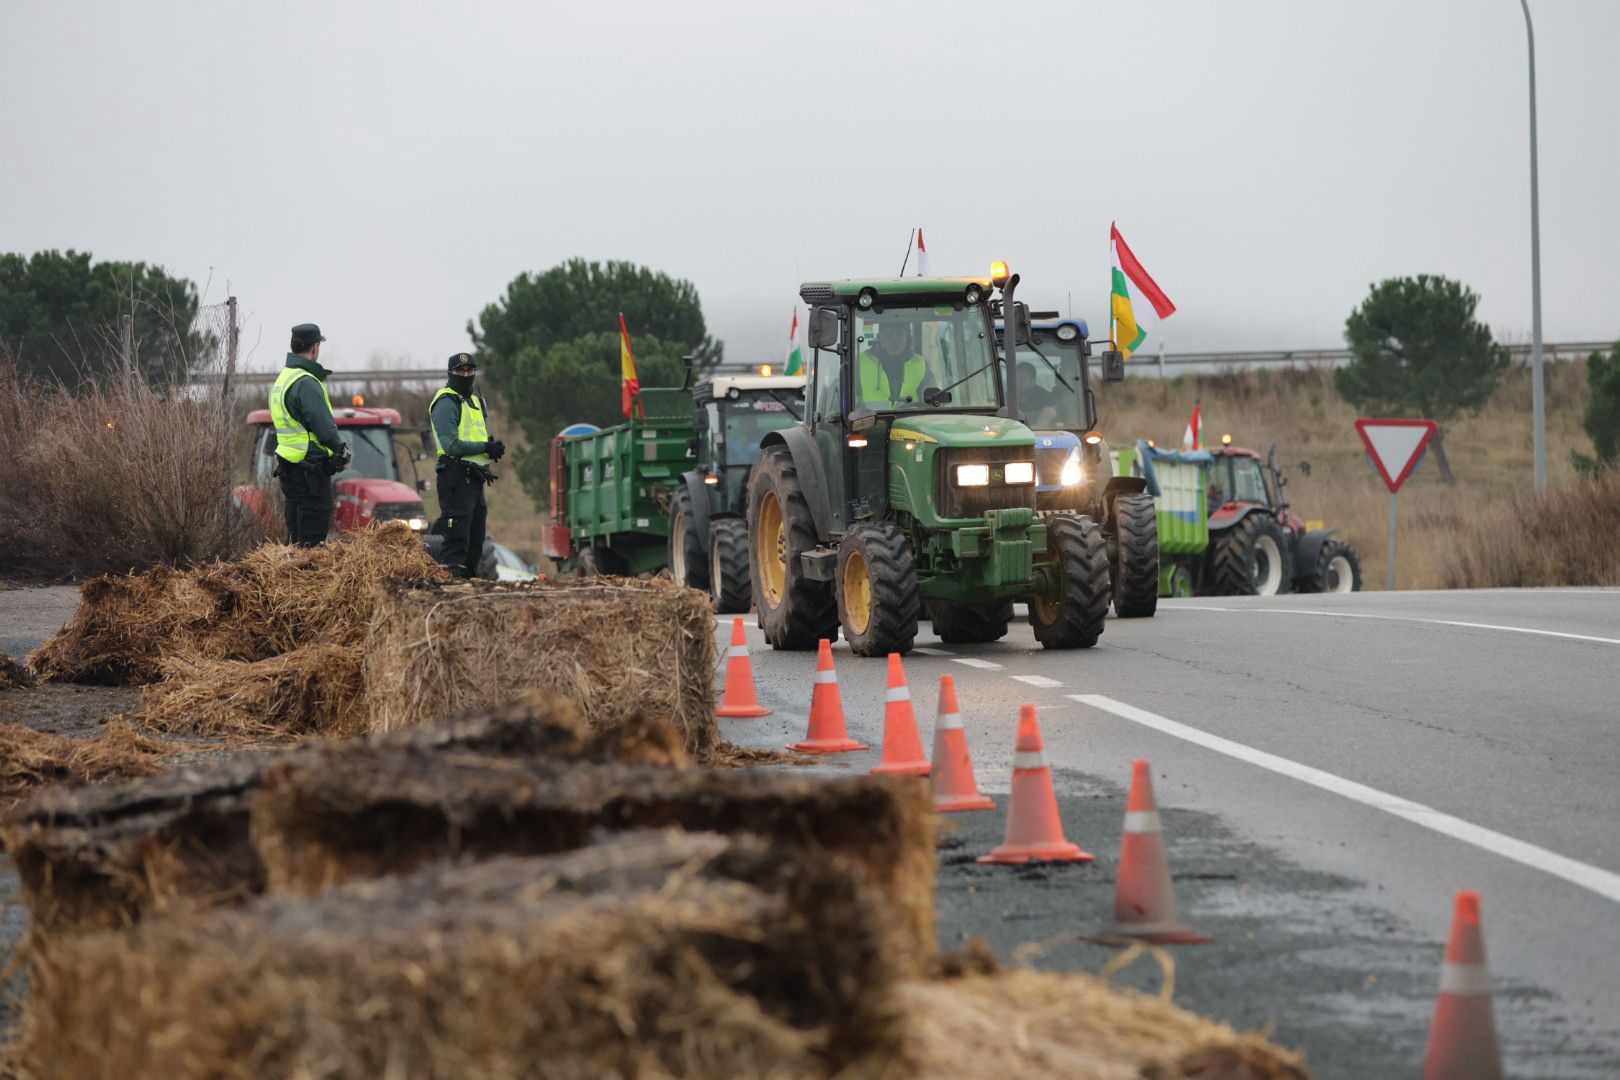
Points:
[(1394, 446)]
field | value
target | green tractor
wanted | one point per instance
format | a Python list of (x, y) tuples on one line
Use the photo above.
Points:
[(910, 488)]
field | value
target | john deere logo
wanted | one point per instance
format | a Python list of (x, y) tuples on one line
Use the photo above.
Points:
[(995, 474)]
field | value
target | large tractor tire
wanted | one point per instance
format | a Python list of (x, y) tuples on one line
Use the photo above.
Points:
[(878, 606), (1253, 558), (688, 562), (1337, 569), (488, 564), (729, 586), (794, 611), (1075, 619), (1134, 557), (957, 624)]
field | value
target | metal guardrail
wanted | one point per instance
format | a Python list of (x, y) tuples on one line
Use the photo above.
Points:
[(1139, 364)]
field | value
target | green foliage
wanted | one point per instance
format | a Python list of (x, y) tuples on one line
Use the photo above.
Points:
[(579, 298), (1419, 351), (578, 382), (1602, 419), (60, 316)]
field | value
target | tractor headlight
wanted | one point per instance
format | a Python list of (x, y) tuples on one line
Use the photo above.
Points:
[(1071, 473), (973, 476), (1020, 472), (1068, 332), (866, 299), (417, 524)]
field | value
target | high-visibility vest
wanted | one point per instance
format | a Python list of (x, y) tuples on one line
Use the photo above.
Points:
[(875, 386), (293, 439), (470, 428)]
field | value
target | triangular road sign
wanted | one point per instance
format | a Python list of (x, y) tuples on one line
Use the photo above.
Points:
[(1395, 446)]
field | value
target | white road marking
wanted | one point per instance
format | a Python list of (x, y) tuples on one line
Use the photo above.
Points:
[(1037, 680), (1598, 880), (1412, 619), (926, 651), (972, 661)]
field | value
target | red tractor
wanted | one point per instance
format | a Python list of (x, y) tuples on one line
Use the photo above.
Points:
[(1257, 545)]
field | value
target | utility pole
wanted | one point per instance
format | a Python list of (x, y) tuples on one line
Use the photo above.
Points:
[(232, 334), (1538, 382)]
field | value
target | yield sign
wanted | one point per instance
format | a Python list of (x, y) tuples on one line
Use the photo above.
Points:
[(1395, 446)]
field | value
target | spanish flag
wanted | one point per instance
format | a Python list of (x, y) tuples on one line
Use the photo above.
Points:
[(627, 366), (1137, 301)]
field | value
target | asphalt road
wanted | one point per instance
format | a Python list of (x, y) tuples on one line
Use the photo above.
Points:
[(1331, 769)]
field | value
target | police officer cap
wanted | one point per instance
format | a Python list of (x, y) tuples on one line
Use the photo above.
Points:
[(461, 359), (306, 334)]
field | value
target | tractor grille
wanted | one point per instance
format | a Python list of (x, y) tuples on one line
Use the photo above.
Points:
[(396, 511), (1049, 464), (960, 502)]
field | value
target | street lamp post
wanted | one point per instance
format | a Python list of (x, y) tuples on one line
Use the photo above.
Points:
[(1538, 391)]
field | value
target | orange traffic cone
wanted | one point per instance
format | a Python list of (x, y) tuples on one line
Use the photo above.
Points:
[(828, 733), (739, 699), (1462, 1039), (1144, 902), (902, 742), (1033, 828), (954, 785)]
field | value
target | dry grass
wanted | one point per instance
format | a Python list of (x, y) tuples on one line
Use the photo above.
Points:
[(14, 676), (1565, 537), (314, 690), (1298, 409), (32, 759)]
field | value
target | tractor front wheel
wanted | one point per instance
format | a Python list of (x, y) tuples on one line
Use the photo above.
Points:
[(688, 562), (1253, 558), (958, 624), (877, 590), (728, 565), (1074, 620), (794, 611), (1337, 569), (1135, 556)]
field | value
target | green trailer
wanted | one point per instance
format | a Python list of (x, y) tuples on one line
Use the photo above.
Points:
[(1179, 483)]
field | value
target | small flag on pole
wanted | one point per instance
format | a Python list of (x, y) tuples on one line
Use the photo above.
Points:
[(1195, 431), (1137, 301), (795, 355), (627, 366), (922, 255)]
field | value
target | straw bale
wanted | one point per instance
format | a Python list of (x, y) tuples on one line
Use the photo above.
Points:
[(1022, 1024), (31, 759), (648, 955), (313, 690), (330, 817), (618, 647), (273, 600), (14, 675)]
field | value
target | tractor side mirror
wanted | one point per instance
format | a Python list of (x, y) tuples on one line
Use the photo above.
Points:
[(1020, 322), (823, 330), (1113, 366)]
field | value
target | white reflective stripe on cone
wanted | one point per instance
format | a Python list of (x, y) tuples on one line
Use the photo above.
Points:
[(1142, 821), (1029, 759), (898, 693), (736, 650), (826, 676), (1470, 979), (948, 721)]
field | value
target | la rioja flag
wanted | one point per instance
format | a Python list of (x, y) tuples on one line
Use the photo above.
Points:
[(1137, 302), (1195, 430), (922, 255), (795, 355), (627, 366)]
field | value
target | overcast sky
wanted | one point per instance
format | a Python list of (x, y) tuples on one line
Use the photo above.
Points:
[(385, 169)]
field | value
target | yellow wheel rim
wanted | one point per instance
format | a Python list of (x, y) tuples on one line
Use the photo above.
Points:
[(1045, 610), (771, 552), (857, 593)]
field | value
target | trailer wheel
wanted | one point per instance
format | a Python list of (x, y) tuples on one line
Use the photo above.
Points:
[(878, 606), (1135, 557), (729, 587), (957, 624), (1075, 619), (1338, 569), (1253, 558), (794, 611), (1180, 581), (688, 562)]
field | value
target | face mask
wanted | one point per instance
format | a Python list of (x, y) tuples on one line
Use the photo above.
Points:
[(462, 384)]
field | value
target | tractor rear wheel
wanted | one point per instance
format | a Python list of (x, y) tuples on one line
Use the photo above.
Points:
[(1253, 558), (1075, 619), (1135, 556), (958, 624), (794, 611), (728, 566), (1337, 569), (688, 562), (878, 605)]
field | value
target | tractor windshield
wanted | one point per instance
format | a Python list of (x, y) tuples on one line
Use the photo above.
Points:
[(911, 359), (1248, 481), (373, 452), (749, 418), (1051, 389)]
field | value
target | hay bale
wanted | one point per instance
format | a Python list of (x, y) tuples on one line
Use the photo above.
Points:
[(541, 725), (617, 647), (314, 690), (14, 676), (273, 600), (32, 759), (648, 955), (329, 817)]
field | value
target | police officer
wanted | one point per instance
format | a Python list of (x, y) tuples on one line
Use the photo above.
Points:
[(307, 443), (466, 450)]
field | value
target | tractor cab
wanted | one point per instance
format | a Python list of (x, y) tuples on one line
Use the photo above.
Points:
[(1240, 480), (732, 414)]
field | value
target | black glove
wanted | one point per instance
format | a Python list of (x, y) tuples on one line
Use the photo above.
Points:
[(495, 449)]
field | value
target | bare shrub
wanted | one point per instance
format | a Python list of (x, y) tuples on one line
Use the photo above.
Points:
[(1564, 537)]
